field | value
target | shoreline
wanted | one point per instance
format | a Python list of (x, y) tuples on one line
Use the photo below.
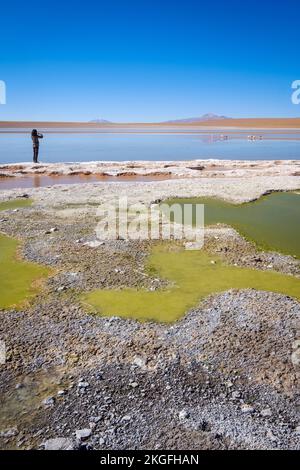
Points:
[(28, 175)]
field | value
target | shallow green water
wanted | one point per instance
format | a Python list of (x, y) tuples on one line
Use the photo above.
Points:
[(15, 204), (18, 279), (272, 222), (193, 276)]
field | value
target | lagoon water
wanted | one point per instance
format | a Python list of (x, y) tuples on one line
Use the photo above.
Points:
[(16, 147)]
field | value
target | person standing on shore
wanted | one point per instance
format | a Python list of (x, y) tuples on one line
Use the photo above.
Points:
[(35, 136)]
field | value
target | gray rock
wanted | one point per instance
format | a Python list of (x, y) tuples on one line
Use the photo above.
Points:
[(83, 384), (126, 418), (266, 412), (245, 408), (11, 432), (183, 414), (94, 243), (295, 356), (134, 384), (49, 401), (59, 443), (82, 434)]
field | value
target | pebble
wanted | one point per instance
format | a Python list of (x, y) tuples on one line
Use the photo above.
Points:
[(95, 419), (11, 432), (271, 436), (83, 384), (82, 434), (183, 414), (59, 443), (51, 230), (266, 412), (245, 408), (134, 384), (94, 243), (126, 418), (49, 401), (61, 289), (139, 361), (295, 357)]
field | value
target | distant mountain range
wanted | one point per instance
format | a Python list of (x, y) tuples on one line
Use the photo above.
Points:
[(205, 117), (100, 121)]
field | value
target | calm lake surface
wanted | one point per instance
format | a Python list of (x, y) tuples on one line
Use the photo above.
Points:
[(60, 146)]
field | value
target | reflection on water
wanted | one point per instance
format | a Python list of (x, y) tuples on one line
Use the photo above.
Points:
[(38, 181)]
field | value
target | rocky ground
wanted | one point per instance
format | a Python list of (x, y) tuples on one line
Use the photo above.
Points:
[(226, 376)]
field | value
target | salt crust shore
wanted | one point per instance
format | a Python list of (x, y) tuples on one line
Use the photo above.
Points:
[(236, 181)]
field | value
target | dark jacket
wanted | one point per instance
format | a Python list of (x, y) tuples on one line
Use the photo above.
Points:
[(35, 139)]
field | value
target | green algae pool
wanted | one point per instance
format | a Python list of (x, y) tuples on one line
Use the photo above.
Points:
[(15, 204), (272, 222), (18, 279), (193, 276)]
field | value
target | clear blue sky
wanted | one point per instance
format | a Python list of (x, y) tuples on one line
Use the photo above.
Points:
[(148, 60)]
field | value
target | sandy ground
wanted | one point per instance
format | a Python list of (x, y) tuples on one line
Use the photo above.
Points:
[(226, 376)]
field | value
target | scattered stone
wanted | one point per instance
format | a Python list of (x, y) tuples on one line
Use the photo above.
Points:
[(126, 418), (60, 393), (271, 436), (82, 434), (134, 384), (59, 443), (83, 384), (94, 243), (295, 357), (101, 441), (183, 414), (49, 401), (235, 395), (11, 432), (139, 361), (51, 230), (95, 419), (61, 289), (266, 412), (245, 408)]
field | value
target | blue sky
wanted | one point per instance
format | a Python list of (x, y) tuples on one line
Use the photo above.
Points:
[(148, 60)]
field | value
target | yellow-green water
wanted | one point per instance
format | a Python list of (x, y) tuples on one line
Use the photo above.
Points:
[(18, 279), (15, 204), (272, 222), (193, 276)]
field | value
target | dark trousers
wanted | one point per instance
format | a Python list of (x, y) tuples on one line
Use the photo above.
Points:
[(35, 154)]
